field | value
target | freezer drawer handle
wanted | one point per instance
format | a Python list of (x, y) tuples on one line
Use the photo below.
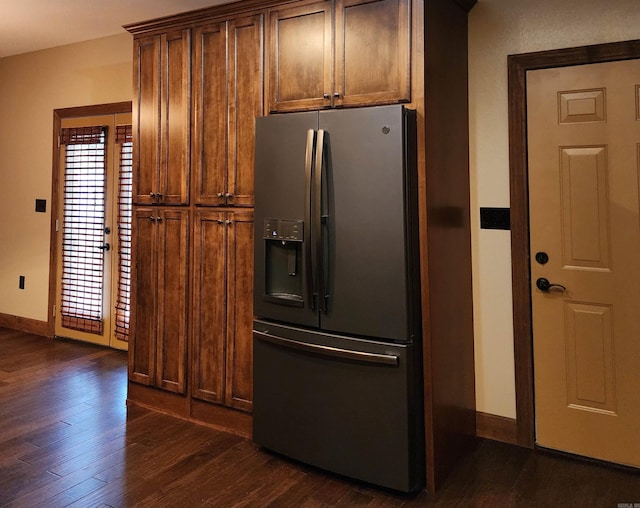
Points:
[(348, 354)]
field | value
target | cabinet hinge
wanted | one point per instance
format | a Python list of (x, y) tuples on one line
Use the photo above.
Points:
[(57, 225)]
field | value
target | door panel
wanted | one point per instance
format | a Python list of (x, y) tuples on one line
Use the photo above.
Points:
[(246, 55), (281, 194), (372, 52), (371, 431), (142, 356), (239, 378), (146, 148), (584, 213), (209, 305), (300, 57), (173, 227), (175, 118), (209, 110), (367, 221)]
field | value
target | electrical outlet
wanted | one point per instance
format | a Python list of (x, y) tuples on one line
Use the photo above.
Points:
[(21, 283)]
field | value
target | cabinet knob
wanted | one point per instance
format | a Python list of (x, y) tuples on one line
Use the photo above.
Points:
[(228, 222), (326, 95), (220, 221), (152, 219), (159, 219), (159, 195), (152, 195), (336, 94), (220, 194), (229, 195)]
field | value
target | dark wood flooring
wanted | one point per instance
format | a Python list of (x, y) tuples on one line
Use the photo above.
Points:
[(67, 439)]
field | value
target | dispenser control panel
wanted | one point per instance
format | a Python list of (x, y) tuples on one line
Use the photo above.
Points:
[(285, 230)]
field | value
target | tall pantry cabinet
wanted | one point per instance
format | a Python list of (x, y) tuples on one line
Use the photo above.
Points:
[(198, 91), (200, 80)]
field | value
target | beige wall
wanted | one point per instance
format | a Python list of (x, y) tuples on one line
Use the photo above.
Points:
[(32, 85), (498, 28)]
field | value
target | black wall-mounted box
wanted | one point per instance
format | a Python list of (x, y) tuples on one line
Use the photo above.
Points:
[(495, 218)]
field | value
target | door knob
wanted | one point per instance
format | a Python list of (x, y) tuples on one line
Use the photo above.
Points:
[(545, 286)]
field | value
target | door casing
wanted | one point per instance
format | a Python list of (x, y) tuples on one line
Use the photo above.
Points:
[(518, 65)]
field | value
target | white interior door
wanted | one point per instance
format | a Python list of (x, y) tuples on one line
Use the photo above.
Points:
[(584, 160)]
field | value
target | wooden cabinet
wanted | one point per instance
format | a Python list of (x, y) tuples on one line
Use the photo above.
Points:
[(299, 57), (162, 119), (223, 308), (363, 60), (372, 48), (159, 281), (227, 97)]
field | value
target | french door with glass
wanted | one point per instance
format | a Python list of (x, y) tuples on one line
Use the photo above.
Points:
[(93, 230)]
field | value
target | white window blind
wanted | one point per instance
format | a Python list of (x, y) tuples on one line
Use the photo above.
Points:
[(83, 228), (124, 138)]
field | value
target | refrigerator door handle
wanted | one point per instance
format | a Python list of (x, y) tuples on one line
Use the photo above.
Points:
[(334, 352), (309, 251), (316, 220)]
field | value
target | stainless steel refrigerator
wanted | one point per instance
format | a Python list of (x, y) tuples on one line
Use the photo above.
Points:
[(337, 339)]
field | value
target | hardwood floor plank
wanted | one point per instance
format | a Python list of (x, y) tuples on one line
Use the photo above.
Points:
[(18, 478), (67, 438), (93, 470)]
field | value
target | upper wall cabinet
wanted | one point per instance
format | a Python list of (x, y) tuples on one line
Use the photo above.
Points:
[(227, 97), (342, 53), (162, 119)]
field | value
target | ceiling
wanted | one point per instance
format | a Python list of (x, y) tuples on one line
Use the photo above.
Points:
[(31, 25)]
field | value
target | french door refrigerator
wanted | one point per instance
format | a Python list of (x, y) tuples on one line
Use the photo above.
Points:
[(337, 358)]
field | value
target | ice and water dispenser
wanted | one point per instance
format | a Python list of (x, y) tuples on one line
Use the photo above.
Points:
[(283, 258)]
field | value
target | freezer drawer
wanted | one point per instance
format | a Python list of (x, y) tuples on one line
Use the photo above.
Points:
[(346, 405)]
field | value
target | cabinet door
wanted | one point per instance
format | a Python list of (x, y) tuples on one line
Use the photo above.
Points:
[(142, 351), (173, 255), (300, 57), (175, 126), (245, 104), (372, 52), (239, 361), (146, 119), (210, 113), (209, 305)]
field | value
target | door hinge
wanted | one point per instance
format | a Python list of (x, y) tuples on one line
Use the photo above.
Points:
[(54, 311)]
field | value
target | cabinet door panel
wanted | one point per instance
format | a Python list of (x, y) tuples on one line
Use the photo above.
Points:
[(239, 379), (210, 113), (142, 352), (146, 118), (245, 104), (300, 57), (372, 51), (209, 306), (173, 254), (175, 119)]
